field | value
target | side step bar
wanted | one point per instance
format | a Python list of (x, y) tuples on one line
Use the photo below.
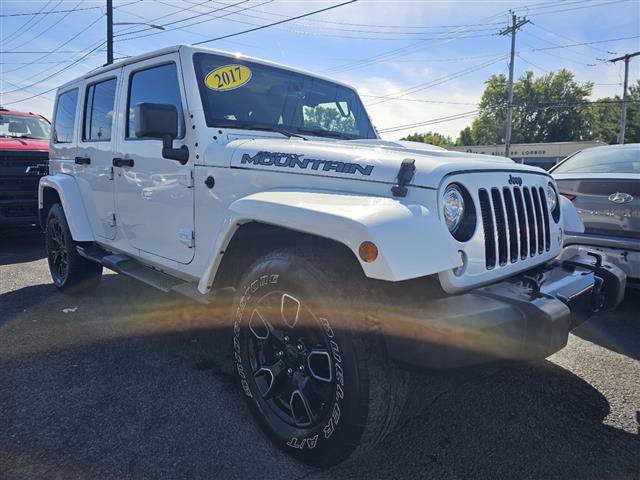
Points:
[(162, 281)]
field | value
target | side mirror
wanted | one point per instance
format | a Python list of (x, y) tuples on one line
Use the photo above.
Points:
[(158, 120)]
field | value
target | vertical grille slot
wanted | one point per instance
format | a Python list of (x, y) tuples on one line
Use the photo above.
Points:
[(522, 223), (501, 227), (545, 211), (512, 224), (538, 210), (533, 247), (487, 225)]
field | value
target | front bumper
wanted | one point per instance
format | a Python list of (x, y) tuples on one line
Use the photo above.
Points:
[(23, 211), (623, 252), (524, 318)]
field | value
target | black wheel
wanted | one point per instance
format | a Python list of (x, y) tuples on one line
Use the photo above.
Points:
[(70, 271), (317, 380)]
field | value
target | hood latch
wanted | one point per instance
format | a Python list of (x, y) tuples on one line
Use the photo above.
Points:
[(405, 175)]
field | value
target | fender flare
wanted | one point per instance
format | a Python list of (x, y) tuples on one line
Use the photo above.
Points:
[(72, 204), (412, 241)]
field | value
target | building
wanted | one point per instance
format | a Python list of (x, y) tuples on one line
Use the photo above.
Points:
[(544, 155)]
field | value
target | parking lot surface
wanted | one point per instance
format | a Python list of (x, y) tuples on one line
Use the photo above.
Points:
[(129, 383)]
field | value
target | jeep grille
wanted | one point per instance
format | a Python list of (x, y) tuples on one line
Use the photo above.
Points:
[(515, 222)]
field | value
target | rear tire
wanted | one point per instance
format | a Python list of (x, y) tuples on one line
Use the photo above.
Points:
[(71, 273), (317, 379)]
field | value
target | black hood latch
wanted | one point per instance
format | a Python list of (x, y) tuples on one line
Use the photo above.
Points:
[(405, 175)]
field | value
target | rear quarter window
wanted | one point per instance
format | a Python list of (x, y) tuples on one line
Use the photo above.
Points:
[(65, 118)]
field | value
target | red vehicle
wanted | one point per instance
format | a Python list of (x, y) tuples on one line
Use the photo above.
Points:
[(24, 158)]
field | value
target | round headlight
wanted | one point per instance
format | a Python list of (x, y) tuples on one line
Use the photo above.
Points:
[(453, 207), (552, 198)]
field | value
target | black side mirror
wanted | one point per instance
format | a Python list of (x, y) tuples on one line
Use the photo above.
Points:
[(158, 120)]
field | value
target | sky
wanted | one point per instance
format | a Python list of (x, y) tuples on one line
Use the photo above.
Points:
[(431, 57)]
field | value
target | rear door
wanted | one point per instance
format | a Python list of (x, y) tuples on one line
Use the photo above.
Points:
[(94, 155), (154, 195)]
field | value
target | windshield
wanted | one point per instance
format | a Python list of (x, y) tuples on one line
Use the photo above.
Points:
[(240, 94), (597, 160), (20, 126)]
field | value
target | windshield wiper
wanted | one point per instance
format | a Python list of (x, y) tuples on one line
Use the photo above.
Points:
[(326, 133), (264, 128)]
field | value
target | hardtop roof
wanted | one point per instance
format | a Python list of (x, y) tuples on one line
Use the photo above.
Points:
[(194, 49)]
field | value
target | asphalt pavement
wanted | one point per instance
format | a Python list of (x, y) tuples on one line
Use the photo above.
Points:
[(130, 383)]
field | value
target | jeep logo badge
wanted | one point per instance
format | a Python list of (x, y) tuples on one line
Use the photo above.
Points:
[(515, 180), (620, 198)]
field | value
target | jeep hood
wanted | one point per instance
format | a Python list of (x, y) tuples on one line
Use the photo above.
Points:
[(369, 160)]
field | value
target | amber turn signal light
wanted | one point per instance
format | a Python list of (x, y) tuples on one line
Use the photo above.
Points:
[(368, 251)]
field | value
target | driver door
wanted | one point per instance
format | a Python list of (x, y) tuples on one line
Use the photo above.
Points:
[(154, 195)]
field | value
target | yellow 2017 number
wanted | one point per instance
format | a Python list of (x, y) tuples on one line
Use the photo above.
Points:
[(228, 77)]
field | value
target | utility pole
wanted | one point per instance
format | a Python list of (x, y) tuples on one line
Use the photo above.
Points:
[(623, 106), (516, 23), (109, 32)]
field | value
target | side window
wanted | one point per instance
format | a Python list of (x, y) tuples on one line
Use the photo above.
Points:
[(65, 117), (98, 111), (154, 85)]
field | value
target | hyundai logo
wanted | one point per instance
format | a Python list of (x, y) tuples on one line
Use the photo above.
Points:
[(620, 197), (515, 180)]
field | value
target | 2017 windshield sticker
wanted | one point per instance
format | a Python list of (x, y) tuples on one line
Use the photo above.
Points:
[(228, 77), (295, 160)]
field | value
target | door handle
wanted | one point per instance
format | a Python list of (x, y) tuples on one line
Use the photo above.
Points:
[(83, 160), (123, 162)]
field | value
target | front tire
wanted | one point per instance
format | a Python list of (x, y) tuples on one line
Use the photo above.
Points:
[(317, 380), (71, 273)]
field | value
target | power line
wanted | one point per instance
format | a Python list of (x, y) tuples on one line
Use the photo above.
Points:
[(63, 44), (586, 43), (25, 23), (46, 13), (359, 31), (432, 121), (202, 14), (438, 81), (582, 7), (199, 22), (26, 27), (56, 73), (569, 38), (420, 100), (28, 52), (280, 22)]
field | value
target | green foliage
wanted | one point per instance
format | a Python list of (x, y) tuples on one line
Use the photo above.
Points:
[(551, 108), (329, 118), (607, 117), (432, 138)]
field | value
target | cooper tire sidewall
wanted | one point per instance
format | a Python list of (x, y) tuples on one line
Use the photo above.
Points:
[(343, 423)]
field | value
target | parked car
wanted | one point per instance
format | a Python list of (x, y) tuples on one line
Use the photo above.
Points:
[(24, 157), (227, 178), (604, 185)]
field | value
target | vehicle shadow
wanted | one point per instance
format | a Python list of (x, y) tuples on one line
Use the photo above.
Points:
[(21, 245), (132, 383), (617, 330)]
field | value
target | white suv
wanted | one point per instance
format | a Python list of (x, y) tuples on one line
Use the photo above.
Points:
[(230, 179)]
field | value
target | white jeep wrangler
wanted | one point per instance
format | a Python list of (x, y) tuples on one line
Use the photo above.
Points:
[(232, 179)]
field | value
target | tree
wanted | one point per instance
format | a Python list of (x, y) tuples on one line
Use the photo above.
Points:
[(551, 108), (466, 137), (432, 138), (607, 117), (329, 118)]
